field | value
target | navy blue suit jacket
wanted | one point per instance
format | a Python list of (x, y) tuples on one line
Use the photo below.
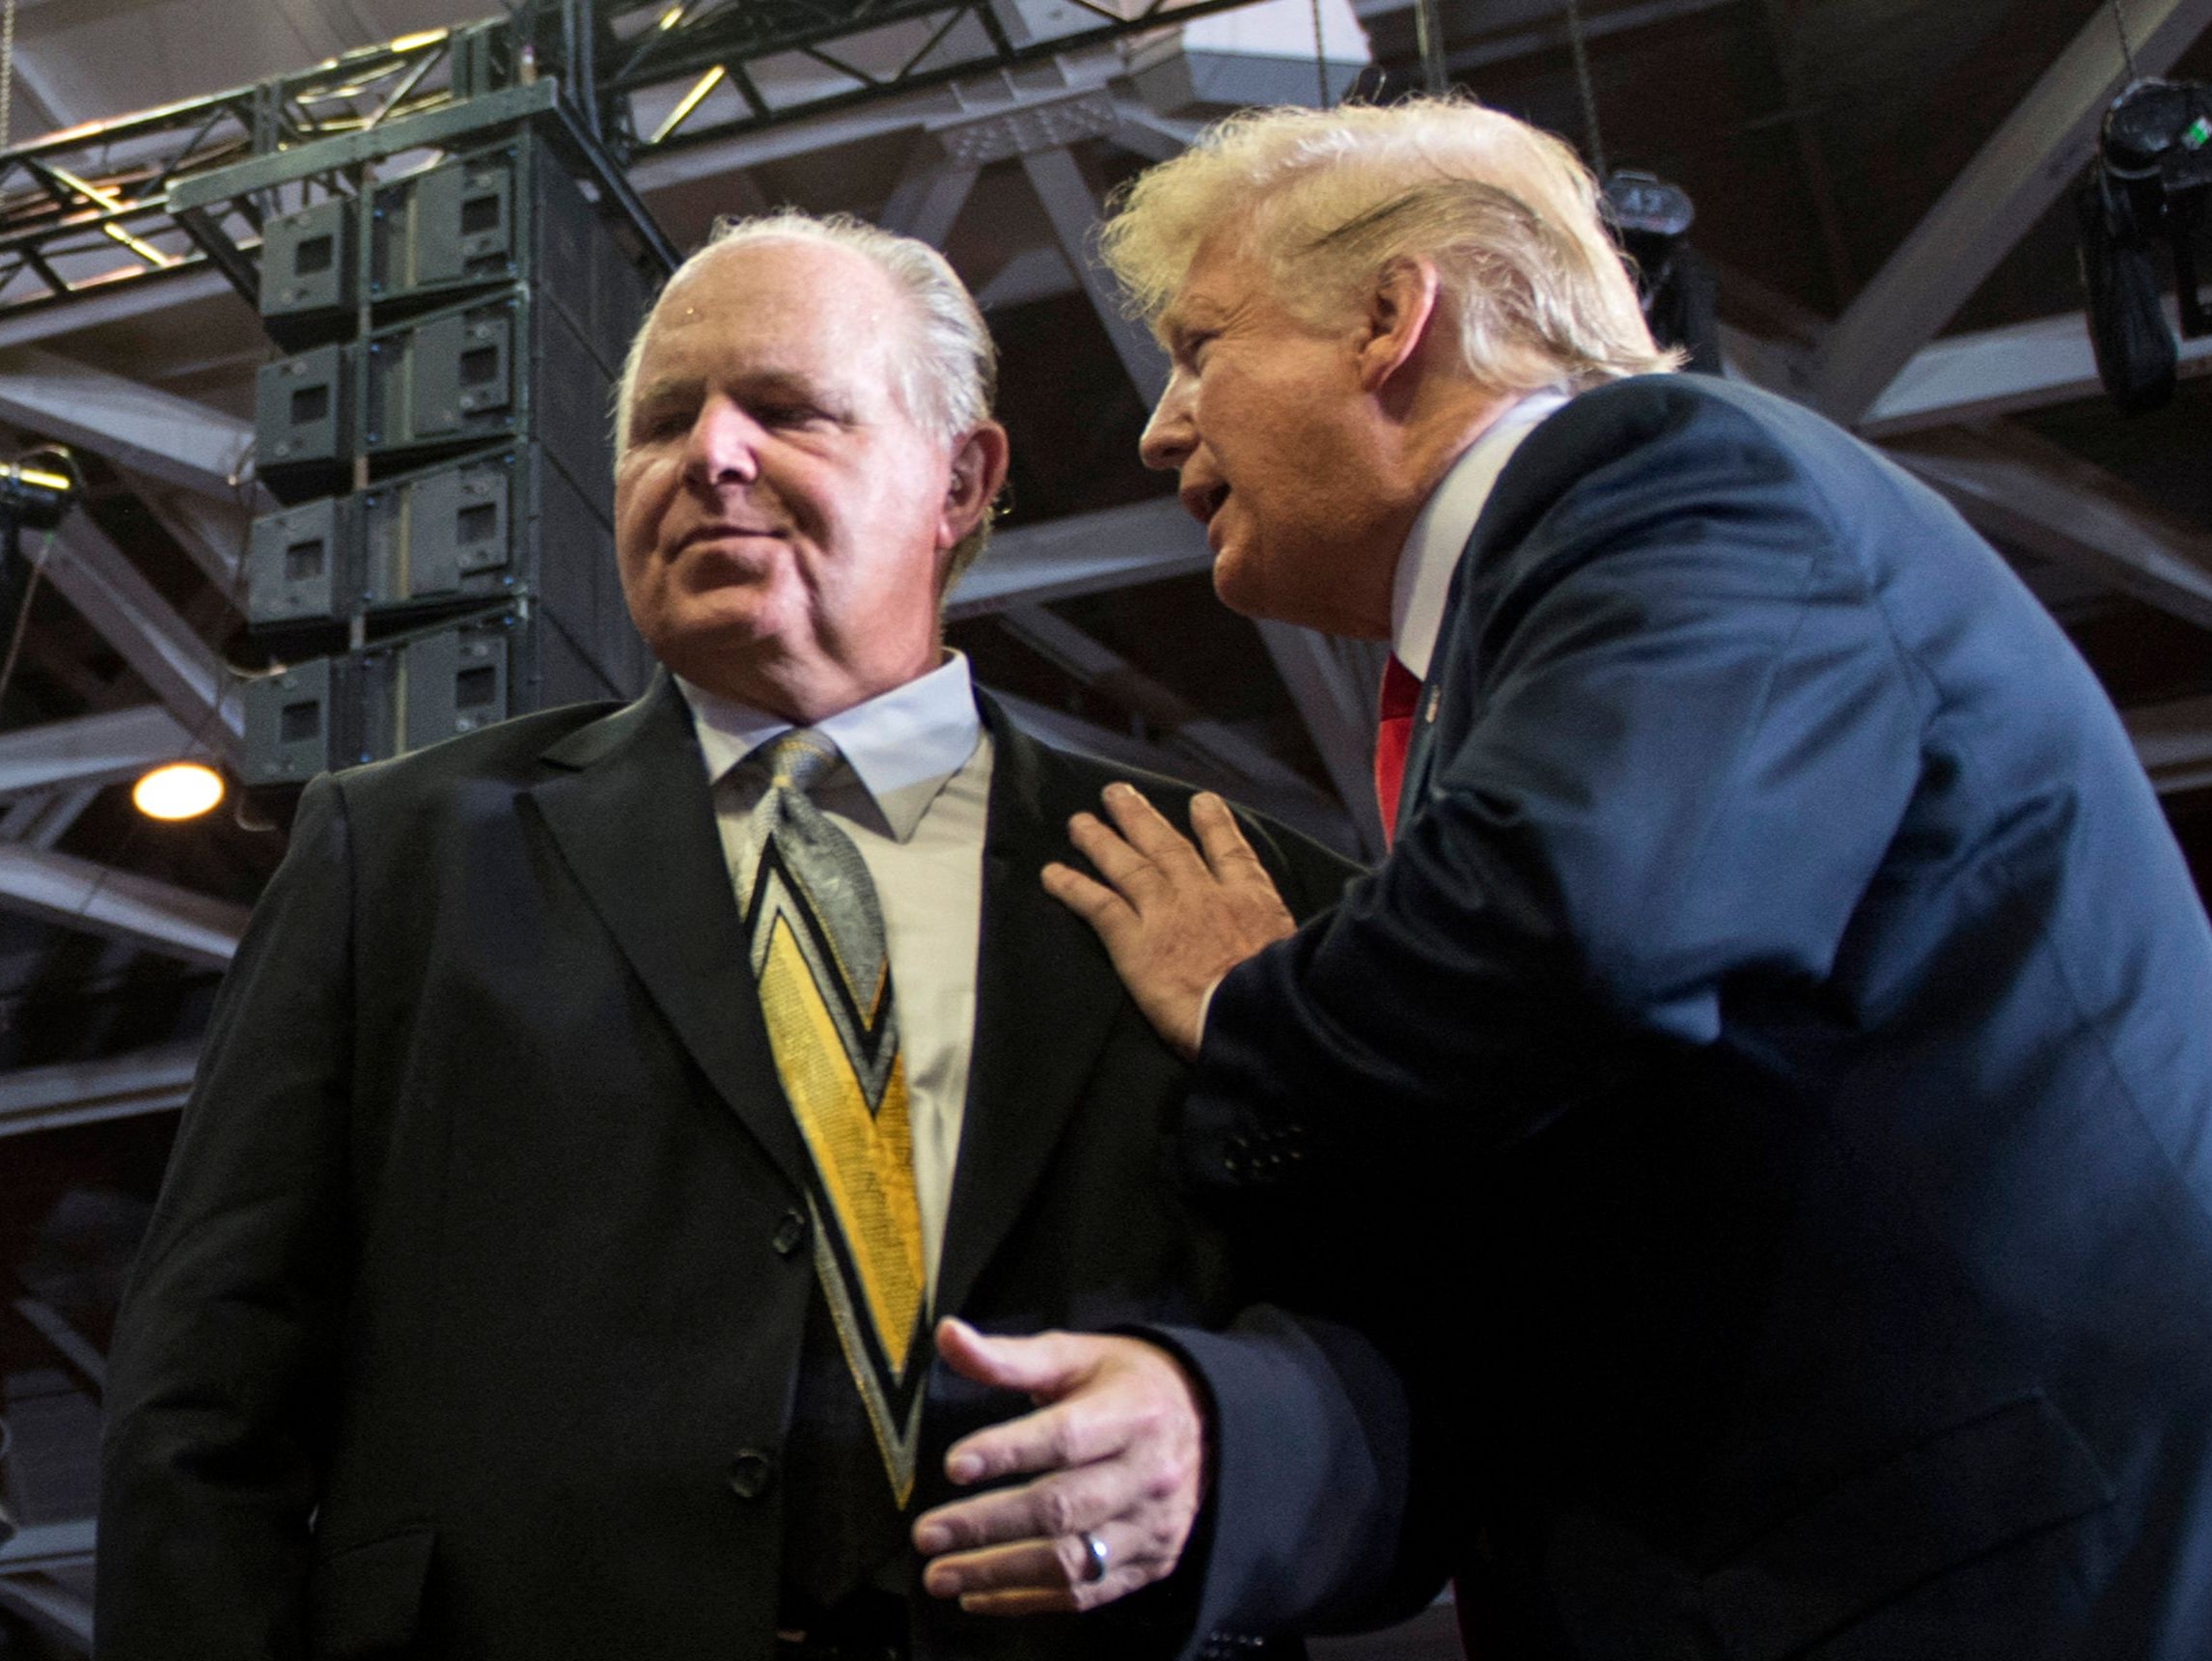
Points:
[(1769, 1083)]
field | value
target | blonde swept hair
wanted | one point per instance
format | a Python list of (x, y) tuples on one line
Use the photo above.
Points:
[(945, 384), (1327, 199)]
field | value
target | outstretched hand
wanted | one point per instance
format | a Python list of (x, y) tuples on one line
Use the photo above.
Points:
[(1118, 1445), (1175, 918)]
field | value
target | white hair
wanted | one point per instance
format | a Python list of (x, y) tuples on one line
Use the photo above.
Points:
[(944, 382)]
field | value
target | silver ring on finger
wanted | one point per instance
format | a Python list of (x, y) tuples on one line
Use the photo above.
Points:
[(1094, 1555)]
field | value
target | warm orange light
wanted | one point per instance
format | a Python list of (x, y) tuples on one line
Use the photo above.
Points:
[(179, 790)]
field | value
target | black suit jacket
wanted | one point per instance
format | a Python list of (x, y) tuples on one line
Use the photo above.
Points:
[(469, 1315), (1787, 1018)]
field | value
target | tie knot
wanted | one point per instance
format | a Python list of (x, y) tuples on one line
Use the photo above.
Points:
[(799, 759)]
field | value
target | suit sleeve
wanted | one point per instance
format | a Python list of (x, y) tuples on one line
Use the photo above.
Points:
[(1310, 1522), (220, 1379), (1684, 742)]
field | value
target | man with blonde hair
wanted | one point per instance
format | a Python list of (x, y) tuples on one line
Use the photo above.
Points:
[(1767, 1089)]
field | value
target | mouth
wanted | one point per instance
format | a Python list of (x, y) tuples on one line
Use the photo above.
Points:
[(1202, 501), (722, 532)]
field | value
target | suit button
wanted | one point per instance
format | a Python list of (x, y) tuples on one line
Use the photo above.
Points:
[(790, 1233), (750, 1473)]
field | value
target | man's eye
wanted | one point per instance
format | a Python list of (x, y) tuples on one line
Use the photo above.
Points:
[(787, 414), (653, 426)]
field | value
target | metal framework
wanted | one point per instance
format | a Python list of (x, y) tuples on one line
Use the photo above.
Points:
[(190, 185), (87, 208), (673, 72)]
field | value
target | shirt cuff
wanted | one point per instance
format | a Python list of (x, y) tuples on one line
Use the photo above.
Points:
[(1206, 1005)]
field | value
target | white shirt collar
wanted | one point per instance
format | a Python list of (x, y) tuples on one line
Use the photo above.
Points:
[(902, 745), (1439, 536)]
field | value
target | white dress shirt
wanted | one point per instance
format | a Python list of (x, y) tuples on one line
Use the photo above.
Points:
[(912, 792), (1439, 534)]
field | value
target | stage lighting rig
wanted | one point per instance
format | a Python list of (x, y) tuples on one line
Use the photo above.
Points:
[(2149, 189), (37, 491), (1652, 219)]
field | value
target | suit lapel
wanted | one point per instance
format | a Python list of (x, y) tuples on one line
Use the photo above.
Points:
[(1045, 996), (632, 814)]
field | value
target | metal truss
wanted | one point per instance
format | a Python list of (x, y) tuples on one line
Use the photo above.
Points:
[(88, 209), (190, 185), (676, 72)]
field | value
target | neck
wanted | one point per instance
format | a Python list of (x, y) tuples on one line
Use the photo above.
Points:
[(1429, 441), (807, 693)]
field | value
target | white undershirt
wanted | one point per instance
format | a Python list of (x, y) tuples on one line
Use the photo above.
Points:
[(913, 792)]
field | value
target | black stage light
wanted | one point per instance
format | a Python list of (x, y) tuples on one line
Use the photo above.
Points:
[(2148, 189), (1653, 218), (38, 491)]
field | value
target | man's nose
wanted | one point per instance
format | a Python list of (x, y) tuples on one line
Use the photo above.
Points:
[(723, 446), (1171, 434)]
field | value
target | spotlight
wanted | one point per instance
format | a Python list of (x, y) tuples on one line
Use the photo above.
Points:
[(38, 491), (179, 790), (2150, 188), (1652, 219)]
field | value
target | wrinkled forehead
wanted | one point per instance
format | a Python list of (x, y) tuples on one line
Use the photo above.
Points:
[(1223, 273)]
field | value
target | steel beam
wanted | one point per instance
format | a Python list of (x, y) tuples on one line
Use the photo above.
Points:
[(157, 434), (2175, 743), (1073, 210), (1038, 273), (132, 301), (1333, 682), (1086, 553), (212, 532), (78, 1092), (43, 1548), (184, 670), (2004, 191), (2001, 371), (1260, 778), (70, 1345), (91, 750), (54, 1609), (933, 188), (2024, 489), (43, 819), (1073, 733), (156, 916), (909, 112)]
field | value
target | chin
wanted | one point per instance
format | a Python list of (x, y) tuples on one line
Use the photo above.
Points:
[(1238, 585)]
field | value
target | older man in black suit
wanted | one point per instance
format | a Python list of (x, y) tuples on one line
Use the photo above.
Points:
[(603, 1106), (1783, 1021)]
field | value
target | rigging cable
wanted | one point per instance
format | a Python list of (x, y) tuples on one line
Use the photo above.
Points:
[(2119, 22), (1595, 139), (7, 69)]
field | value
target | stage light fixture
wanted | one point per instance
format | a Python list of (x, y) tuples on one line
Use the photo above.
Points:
[(1651, 220), (38, 491), (2150, 189), (177, 790)]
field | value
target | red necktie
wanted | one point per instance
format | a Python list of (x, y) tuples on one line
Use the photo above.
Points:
[(1394, 732)]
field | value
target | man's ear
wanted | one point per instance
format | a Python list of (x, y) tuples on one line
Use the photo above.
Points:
[(979, 468), (1401, 302)]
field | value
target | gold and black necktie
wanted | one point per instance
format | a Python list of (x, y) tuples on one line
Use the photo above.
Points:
[(817, 940)]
